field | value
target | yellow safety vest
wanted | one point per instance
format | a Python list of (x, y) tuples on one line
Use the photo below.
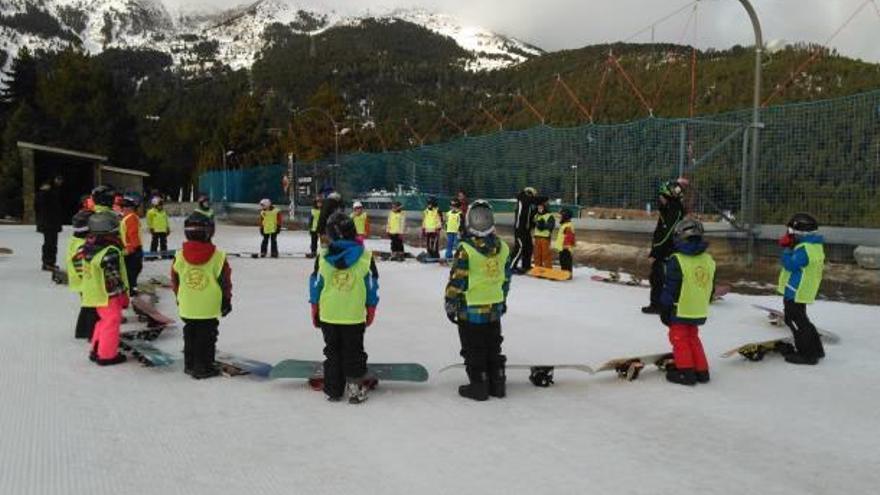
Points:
[(360, 223), (344, 295), (698, 276), (395, 222), (453, 222), (559, 244), (543, 233), (74, 280), (316, 217), (200, 296), (269, 220), (157, 220), (811, 276), (94, 287), (431, 220), (485, 275)]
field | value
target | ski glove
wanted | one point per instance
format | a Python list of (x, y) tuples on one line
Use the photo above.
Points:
[(226, 308), (371, 314), (452, 313), (316, 317), (666, 315), (125, 300), (787, 241)]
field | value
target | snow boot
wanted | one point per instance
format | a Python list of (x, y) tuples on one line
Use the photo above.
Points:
[(334, 398), (684, 376), (651, 309), (203, 373), (498, 378), (784, 348), (356, 391), (120, 358), (477, 389), (797, 358), (702, 376)]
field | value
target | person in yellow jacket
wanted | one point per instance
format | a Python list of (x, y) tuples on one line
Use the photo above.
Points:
[(314, 221), (270, 225), (565, 240), (395, 228), (361, 222), (453, 227), (475, 301), (158, 225), (545, 222), (85, 322), (344, 293), (104, 285), (432, 222), (202, 280)]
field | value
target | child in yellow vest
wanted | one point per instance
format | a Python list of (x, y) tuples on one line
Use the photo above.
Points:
[(202, 280), (314, 220), (104, 285), (432, 222), (344, 293), (395, 228), (545, 222), (684, 301), (361, 222), (453, 227), (565, 240), (270, 224), (158, 225), (85, 323)]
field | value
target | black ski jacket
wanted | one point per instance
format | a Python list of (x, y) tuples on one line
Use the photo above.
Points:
[(670, 214)]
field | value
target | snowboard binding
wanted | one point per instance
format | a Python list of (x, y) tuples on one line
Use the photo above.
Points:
[(629, 370), (753, 353), (541, 376)]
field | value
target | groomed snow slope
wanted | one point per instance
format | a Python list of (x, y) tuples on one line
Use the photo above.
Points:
[(68, 426)]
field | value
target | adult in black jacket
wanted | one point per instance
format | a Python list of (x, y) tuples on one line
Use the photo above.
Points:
[(523, 224), (332, 204), (50, 217), (671, 212)]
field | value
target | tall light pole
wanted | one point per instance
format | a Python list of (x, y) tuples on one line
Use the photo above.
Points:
[(336, 133), (756, 124), (574, 169)]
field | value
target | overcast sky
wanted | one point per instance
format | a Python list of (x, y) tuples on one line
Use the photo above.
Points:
[(557, 24)]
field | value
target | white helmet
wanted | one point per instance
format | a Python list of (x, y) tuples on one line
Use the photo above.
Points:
[(265, 203), (480, 220), (156, 201), (357, 204)]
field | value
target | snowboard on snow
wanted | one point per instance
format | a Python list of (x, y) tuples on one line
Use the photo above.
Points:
[(149, 333), (629, 368), (159, 255), (540, 375), (232, 365), (145, 353), (256, 255), (387, 256), (144, 308), (777, 318), (313, 371), (755, 351), (424, 258), (550, 274), (615, 278)]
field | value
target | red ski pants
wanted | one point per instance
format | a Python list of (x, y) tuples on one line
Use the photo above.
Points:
[(105, 340), (687, 350)]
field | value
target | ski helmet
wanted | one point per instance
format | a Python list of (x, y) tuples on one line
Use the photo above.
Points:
[(80, 223), (334, 195), (802, 222), (565, 215), (204, 202), (156, 201), (530, 191), (455, 203), (130, 202), (104, 195), (432, 202), (265, 203), (688, 229), (104, 223), (480, 220), (671, 189), (357, 204), (341, 227), (396, 204), (198, 227)]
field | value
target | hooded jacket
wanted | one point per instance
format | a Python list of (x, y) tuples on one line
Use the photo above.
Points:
[(672, 284), (794, 260), (343, 254), (458, 284), (671, 213), (199, 253)]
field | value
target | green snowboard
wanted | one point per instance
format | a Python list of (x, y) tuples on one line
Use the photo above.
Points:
[(402, 372)]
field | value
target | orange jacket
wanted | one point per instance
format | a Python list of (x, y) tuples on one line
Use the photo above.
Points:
[(131, 232)]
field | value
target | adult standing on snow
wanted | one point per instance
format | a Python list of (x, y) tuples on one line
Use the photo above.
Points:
[(671, 212), (50, 218), (332, 204), (270, 224), (523, 224)]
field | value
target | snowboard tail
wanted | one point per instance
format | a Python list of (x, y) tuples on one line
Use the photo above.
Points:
[(302, 369), (550, 274), (629, 368)]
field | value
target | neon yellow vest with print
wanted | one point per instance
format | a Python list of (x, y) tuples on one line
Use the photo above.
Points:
[(360, 223), (698, 277), (94, 288), (559, 243), (453, 222), (431, 220), (157, 220), (200, 296), (485, 275), (811, 277), (269, 220), (344, 296), (74, 281), (539, 232), (316, 216), (395, 222)]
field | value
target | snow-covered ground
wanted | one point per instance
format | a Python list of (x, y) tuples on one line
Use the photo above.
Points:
[(70, 427)]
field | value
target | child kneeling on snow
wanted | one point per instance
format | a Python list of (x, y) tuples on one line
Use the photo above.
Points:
[(202, 280), (476, 299), (687, 292), (344, 292), (104, 285)]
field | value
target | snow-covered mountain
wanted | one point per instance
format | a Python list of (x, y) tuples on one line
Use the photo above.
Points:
[(233, 37)]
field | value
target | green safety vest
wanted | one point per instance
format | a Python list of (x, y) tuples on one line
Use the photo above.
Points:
[(543, 233), (344, 296), (559, 243), (485, 275), (269, 220), (395, 222), (431, 220), (316, 217), (360, 223), (698, 278), (157, 220), (94, 288), (453, 222), (74, 280), (811, 277), (200, 296)]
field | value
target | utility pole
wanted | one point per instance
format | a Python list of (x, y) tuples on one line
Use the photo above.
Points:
[(756, 125)]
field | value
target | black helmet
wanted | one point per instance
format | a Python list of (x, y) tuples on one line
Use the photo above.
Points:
[(803, 222), (480, 220), (198, 227), (341, 226), (104, 195), (104, 223), (396, 204), (671, 189), (565, 214), (688, 228), (130, 201), (80, 223), (432, 201)]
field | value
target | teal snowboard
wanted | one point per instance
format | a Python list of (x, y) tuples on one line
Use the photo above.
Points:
[(314, 371), (145, 353)]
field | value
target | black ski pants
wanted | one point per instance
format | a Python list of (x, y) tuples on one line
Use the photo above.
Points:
[(345, 356), (199, 343), (657, 279), (432, 244), (806, 337), (565, 261), (396, 243), (159, 242), (481, 348), (85, 323), (134, 264), (522, 251), (313, 246), (267, 238), (50, 248)]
